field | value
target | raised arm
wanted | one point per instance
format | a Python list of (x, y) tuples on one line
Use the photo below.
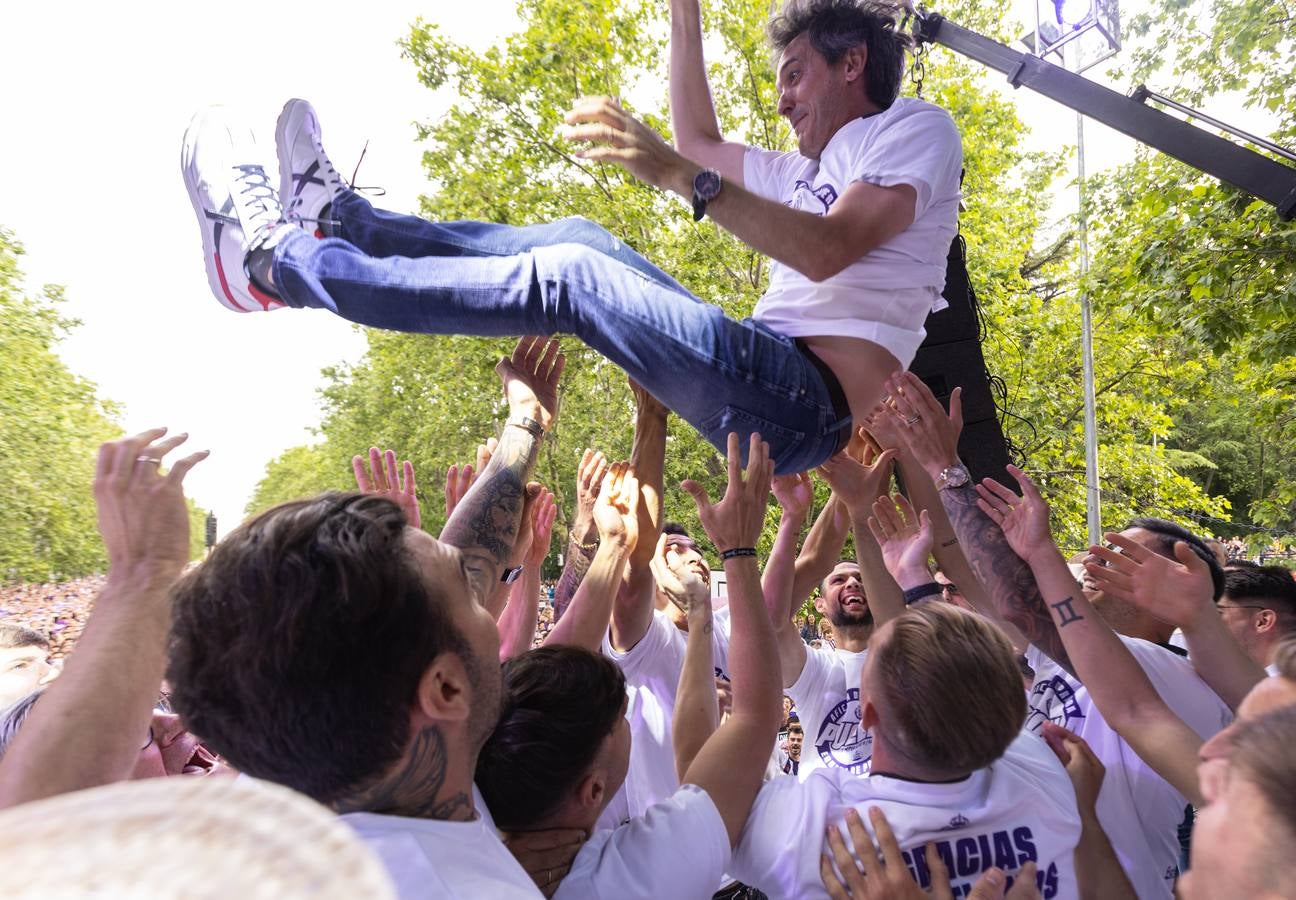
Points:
[(794, 493), (633, 610), (517, 623), (582, 540), (820, 551), (1179, 591), (932, 437), (730, 766), (904, 539), (91, 721), (693, 116), (922, 494), (697, 712), (484, 526), (1116, 682), (857, 484), (616, 516)]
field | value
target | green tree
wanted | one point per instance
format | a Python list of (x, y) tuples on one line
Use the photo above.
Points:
[(51, 423)]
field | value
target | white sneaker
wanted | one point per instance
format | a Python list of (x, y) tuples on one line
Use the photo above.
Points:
[(236, 207), (308, 182)]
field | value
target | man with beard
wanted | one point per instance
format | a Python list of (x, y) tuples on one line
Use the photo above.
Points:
[(824, 681), (327, 646)]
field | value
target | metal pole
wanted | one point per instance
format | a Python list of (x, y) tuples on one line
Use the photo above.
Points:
[(1092, 497)]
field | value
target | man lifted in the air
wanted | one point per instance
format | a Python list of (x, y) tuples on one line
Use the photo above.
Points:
[(858, 221)]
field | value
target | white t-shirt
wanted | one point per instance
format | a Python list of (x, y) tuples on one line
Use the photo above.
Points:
[(652, 671), (886, 295), (1020, 808), (1137, 808), (827, 701), (678, 849), (430, 858)]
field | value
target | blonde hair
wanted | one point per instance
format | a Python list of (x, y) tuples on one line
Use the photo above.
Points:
[(950, 687)]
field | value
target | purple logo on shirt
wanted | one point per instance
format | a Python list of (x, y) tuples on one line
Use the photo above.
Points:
[(817, 200), (1054, 700), (842, 742)]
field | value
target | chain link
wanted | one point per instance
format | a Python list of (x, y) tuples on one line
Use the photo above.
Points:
[(918, 71)]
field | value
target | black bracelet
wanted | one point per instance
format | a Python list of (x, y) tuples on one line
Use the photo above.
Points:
[(929, 589), (529, 424), (733, 552)]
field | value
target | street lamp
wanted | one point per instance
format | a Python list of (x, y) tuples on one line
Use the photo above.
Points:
[(1081, 34)]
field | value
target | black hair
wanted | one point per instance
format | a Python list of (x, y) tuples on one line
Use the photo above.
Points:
[(297, 647), (1271, 585), (674, 528), (559, 704), (835, 26), (1170, 533)]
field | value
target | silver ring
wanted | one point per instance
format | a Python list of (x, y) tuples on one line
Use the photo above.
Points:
[(147, 459), (913, 419)]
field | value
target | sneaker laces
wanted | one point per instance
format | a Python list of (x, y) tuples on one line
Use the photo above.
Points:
[(256, 197), (332, 178)]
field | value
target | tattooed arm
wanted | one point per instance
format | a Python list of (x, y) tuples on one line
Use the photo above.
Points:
[(485, 524), (583, 539), (1117, 683), (932, 437)]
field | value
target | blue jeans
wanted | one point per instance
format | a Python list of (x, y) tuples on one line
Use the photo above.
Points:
[(472, 278)]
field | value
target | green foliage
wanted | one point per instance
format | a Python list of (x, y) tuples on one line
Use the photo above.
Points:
[(51, 423)]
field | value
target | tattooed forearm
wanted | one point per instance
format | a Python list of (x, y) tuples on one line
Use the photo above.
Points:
[(1006, 576), (1066, 613), (485, 523), (573, 573), (415, 786)]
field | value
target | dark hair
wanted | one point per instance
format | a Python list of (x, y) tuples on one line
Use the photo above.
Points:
[(15, 636), (795, 725), (1169, 533), (835, 26), (1240, 563), (674, 528), (1271, 585), (559, 704), (297, 647)]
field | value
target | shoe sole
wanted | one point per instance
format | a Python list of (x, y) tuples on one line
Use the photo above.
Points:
[(210, 229)]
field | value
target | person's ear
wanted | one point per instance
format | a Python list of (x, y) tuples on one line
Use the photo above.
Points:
[(853, 63), (591, 790), (444, 690), (1267, 620)]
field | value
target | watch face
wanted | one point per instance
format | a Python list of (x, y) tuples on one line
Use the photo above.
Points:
[(956, 476), (706, 184)]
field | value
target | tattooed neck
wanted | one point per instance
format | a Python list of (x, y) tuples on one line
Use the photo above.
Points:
[(416, 786)]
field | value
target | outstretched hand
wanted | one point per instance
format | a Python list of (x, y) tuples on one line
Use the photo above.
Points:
[(922, 425), (1024, 520), (737, 519), (794, 493), (1082, 765), (905, 539), (682, 583), (543, 512), (616, 512), (383, 479), (530, 375), (857, 484), (142, 514), (1177, 591), (618, 137)]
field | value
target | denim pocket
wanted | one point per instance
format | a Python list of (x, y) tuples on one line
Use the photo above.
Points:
[(784, 443)]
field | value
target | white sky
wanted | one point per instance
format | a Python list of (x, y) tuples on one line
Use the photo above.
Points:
[(98, 96)]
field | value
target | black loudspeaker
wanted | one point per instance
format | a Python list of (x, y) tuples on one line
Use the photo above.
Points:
[(951, 357)]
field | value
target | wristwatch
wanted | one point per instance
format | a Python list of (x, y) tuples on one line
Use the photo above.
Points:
[(511, 575), (706, 187), (955, 476)]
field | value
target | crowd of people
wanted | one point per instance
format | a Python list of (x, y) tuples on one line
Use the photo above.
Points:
[(967, 713)]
